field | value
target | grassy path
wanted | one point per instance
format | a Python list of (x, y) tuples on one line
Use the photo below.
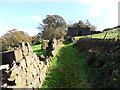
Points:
[(67, 70)]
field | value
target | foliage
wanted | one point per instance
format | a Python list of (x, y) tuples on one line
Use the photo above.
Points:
[(35, 40), (88, 24), (79, 24), (82, 25), (53, 26), (50, 34), (67, 70), (13, 37), (102, 60)]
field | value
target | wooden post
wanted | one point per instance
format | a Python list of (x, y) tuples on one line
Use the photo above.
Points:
[(105, 35)]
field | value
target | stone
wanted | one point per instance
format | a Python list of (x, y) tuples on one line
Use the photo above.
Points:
[(25, 88), (42, 64), (44, 44), (15, 71), (23, 64), (18, 55), (43, 73), (4, 67), (34, 55), (24, 77), (30, 69), (12, 78), (28, 60), (35, 64), (36, 82), (32, 60), (54, 43), (38, 62), (24, 49), (40, 67), (29, 78), (34, 73), (38, 70), (19, 81), (21, 72), (29, 48)]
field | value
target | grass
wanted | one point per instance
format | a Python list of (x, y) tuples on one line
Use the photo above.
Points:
[(110, 34), (67, 70), (37, 49)]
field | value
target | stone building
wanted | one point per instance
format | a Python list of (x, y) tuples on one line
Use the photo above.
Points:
[(77, 31)]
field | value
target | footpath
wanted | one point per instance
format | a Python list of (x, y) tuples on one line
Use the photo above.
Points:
[(67, 70)]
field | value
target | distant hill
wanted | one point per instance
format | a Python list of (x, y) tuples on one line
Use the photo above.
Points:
[(107, 29), (111, 33)]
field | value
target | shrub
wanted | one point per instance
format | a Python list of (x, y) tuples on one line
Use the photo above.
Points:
[(102, 60)]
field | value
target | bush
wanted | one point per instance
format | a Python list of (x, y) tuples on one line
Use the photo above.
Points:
[(103, 61)]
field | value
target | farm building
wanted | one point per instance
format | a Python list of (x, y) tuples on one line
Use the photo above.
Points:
[(77, 31)]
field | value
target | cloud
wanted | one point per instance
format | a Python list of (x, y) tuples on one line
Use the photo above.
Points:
[(36, 18), (99, 7), (106, 9)]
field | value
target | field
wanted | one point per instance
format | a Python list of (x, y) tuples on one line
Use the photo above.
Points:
[(110, 34), (37, 49)]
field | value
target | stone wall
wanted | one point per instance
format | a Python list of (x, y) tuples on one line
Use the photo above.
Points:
[(77, 31), (27, 70), (44, 44)]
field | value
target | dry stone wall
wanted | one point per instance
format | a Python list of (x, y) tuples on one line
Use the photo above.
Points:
[(44, 44), (27, 70)]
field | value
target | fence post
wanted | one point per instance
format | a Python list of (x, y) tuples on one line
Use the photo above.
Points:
[(105, 35)]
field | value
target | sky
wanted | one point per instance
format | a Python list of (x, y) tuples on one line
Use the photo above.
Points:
[(25, 15)]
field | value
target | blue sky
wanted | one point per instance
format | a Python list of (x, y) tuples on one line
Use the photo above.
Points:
[(26, 16)]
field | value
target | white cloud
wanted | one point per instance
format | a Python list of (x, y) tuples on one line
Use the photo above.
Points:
[(98, 7), (107, 9), (36, 18)]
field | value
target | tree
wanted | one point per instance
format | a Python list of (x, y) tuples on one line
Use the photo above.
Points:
[(36, 39), (13, 37), (88, 24), (53, 27), (79, 24)]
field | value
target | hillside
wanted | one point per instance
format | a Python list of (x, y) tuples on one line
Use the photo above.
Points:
[(113, 33)]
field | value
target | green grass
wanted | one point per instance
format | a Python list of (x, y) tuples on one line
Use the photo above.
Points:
[(111, 34), (37, 49), (67, 70)]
